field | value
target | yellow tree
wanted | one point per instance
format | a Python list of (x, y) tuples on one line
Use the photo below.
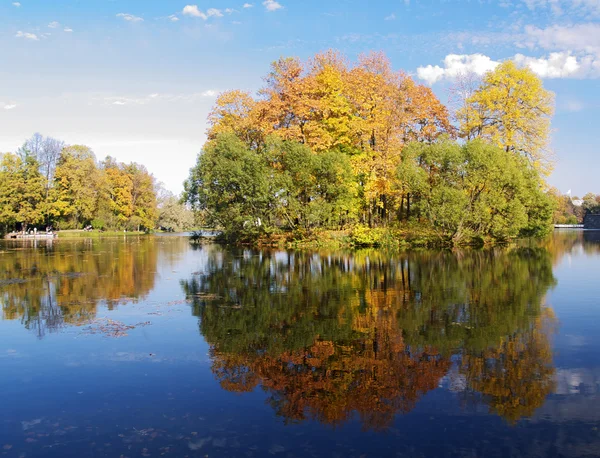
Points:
[(511, 109), (237, 112), (116, 200), (74, 196)]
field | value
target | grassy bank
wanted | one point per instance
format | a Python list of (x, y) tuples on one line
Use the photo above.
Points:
[(70, 234)]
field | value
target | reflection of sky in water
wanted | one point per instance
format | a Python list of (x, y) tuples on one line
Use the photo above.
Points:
[(152, 392)]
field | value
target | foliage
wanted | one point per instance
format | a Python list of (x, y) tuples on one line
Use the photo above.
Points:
[(74, 195), (366, 110), (474, 190), (330, 145), (512, 110), (233, 183), (113, 195), (173, 216), (22, 190)]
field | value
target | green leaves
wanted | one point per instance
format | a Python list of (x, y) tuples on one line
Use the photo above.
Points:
[(474, 190), (248, 193)]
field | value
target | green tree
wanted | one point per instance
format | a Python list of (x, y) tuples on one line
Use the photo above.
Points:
[(474, 190), (174, 216), (235, 187)]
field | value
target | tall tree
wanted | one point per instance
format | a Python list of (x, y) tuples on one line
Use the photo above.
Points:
[(22, 191), (115, 201), (174, 216), (511, 109), (143, 197), (74, 196)]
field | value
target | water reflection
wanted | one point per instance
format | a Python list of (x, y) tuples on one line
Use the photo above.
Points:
[(333, 335), (48, 285)]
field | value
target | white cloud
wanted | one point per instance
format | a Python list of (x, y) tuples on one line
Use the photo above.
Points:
[(193, 10), (53, 25), (455, 64), (17, 4), (130, 17), (10, 106), (173, 18), (214, 12), (566, 7), (68, 29), (155, 98), (27, 35), (555, 65), (248, 5), (230, 10), (580, 37), (272, 5), (391, 17)]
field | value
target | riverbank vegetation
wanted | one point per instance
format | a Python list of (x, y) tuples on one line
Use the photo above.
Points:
[(49, 184), (572, 210), (327, 145)]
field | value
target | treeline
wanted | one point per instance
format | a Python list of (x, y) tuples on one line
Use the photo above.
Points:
[(49, 184), (572, 210), (330, 145)]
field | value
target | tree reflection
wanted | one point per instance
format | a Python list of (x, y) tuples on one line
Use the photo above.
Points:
[(329, 336), (516, 376), (55, 284)]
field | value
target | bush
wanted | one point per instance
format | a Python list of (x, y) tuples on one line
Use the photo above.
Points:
[(98, 224)]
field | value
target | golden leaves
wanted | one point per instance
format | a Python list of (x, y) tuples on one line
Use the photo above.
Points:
[(512, 110)]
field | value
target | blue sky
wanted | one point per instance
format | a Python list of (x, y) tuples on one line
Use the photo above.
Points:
[(136, 79)]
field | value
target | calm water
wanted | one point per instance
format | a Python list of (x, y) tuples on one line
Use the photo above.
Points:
[(151, 347)]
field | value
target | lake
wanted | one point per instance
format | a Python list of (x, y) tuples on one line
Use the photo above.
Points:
[(150, 346)]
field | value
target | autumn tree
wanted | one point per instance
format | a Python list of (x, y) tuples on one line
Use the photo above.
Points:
[(115, 201), (143, 197), (388, 140), (22, 192), (366, 110), (512, 110), (74, 196)]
